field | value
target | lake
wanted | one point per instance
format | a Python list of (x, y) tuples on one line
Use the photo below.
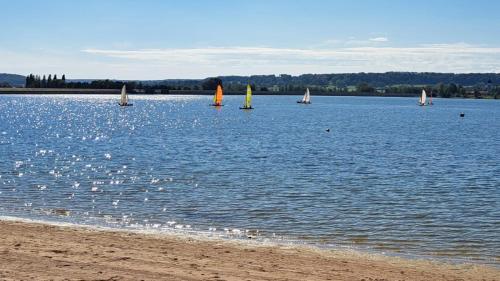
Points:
[(390, 176)]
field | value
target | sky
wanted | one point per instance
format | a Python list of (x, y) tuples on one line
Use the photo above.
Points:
[(170, 39)]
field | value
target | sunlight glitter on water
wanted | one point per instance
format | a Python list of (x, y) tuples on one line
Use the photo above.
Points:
[(387, 179)]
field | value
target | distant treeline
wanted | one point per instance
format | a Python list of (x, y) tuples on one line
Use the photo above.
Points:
[(35, 81), (440, 84), (375, 79), (49, 81), (446, 85)]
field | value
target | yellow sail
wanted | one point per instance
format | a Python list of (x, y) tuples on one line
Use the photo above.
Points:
[(248, 99), (218, 96)]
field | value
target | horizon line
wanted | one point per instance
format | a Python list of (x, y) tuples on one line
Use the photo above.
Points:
[(260, 75)]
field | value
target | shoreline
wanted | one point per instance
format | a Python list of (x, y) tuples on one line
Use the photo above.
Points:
[(250, 239), (69, 91), (31, 249)]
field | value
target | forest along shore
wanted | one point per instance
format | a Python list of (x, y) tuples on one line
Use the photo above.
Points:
[(41, 251)]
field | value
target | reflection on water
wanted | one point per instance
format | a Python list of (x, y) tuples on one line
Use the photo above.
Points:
[(389, 176)]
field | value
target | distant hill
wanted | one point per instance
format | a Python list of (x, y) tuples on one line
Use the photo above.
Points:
[(374, 79), (346, 79), (14, 80)]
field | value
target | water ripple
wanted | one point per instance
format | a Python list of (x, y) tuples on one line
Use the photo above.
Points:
[(390, 176)]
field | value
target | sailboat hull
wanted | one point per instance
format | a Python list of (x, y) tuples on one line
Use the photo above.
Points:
[(246, 108), (126, 104), (303, 102)]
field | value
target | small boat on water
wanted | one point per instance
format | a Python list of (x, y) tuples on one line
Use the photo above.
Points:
[(218, 96), (248, 99), (124, 97), (307, 98), (422, 99)]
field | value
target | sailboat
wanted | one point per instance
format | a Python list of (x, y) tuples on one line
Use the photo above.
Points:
[(248, 99), (422, 99), (218, 96), (124, 97), (307, 98), (430, 99)]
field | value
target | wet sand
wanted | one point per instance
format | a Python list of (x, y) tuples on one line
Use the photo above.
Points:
[(33, 251)]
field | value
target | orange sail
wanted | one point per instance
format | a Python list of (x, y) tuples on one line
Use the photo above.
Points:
[(218, 96)]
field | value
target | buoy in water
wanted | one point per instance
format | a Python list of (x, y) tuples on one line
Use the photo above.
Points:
[(328, 130), (462, 114)]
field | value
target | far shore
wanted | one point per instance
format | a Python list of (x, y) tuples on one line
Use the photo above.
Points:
[(39, 251), (66, 91), (70, 91)]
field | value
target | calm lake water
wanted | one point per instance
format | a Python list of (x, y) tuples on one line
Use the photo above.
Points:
[(390, 176)]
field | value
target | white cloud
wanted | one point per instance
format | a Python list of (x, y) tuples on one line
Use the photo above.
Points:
[(222, 54), (257, 60), (213, 61), (379, 39)]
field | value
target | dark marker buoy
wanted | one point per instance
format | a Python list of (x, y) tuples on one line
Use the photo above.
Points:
[(328, 130), (462, 114)]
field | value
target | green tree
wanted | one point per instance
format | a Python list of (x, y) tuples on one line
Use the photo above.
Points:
[(37, 81), (441, 89), (29, 81), (461, 91), (49, 81), (451, 90), (365, 88), (211, 83)]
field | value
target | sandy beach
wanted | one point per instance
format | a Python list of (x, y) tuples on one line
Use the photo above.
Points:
[(34, 251)]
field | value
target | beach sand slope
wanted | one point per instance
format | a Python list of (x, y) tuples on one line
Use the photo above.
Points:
[(33, 251)]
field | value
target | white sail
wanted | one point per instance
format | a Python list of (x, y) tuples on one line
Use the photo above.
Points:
[(423, 98), (124, 96), (307, 97)]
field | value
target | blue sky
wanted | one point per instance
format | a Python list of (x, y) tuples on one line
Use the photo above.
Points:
[(161, 39)]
